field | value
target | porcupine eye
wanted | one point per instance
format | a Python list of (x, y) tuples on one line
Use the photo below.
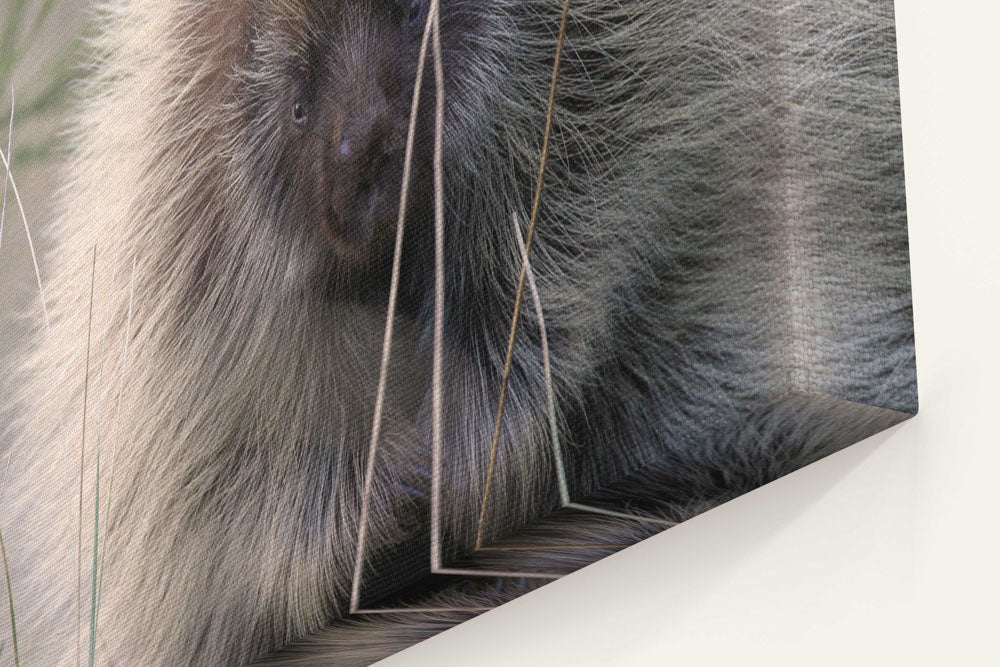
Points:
[(299, 115)]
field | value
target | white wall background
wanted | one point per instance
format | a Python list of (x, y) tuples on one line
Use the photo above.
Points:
[(884, 554)]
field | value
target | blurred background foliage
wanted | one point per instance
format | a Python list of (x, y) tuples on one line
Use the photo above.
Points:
[(41, 55), (40, 47)]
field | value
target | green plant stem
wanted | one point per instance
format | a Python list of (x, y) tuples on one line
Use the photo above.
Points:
[(10, 600), (93, 587)]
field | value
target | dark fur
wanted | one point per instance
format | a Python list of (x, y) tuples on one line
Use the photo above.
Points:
[(704, 155)]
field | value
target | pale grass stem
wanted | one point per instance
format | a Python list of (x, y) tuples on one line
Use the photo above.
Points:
[(3, 484), (6, 180), (114, 451), (27, 231), (389, 320), (83, 445), (516, 316)]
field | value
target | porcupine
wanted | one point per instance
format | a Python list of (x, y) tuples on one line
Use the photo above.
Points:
[(247, 155)]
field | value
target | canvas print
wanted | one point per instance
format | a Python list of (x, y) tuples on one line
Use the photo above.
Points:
[(330, 324)]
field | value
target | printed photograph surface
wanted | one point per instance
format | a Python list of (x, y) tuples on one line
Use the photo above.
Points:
[(327, 325)]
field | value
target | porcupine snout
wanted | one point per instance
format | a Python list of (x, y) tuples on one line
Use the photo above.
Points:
[(360, 154), (364, 157)]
